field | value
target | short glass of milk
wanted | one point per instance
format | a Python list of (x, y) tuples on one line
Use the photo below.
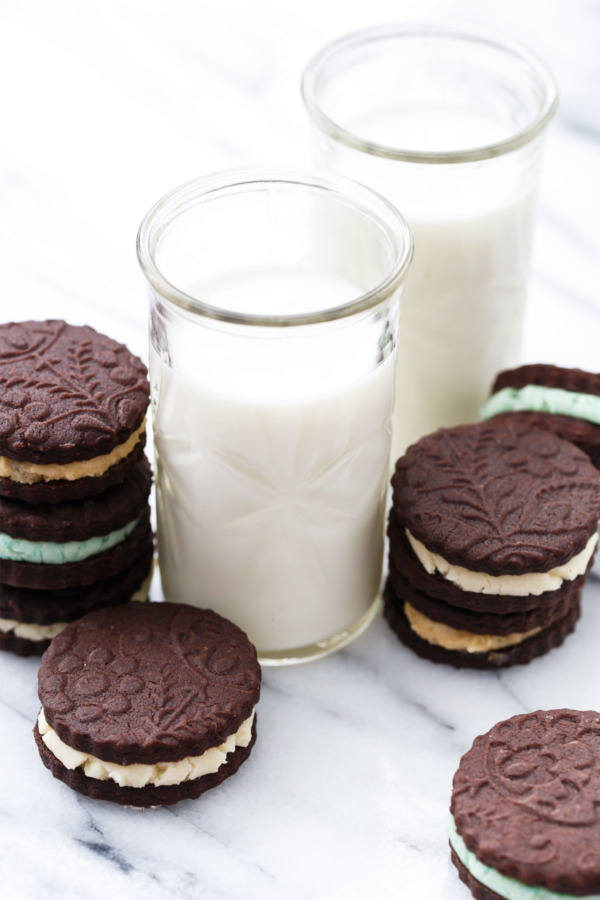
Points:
[(449, 126), (274, 301)]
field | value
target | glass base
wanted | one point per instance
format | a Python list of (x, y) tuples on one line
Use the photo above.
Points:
[(322, 648)]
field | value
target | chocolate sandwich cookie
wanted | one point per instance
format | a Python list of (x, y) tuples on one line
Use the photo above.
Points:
[(63, 545), (72, 411), (147, 704), (405, 566), (465, 649), (492, 532), (29, 619), (524, 810), (564, 401)]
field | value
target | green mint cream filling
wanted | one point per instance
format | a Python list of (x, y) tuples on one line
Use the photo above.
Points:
[(50, 553), (537, 398), (509, 888)]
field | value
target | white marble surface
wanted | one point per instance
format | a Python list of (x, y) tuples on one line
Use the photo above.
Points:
[(104, 107)]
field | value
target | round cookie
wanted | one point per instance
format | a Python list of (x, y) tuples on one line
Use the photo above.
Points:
[(147, 696), (498, 498), (72, 406), (525, 805), (564, 401)]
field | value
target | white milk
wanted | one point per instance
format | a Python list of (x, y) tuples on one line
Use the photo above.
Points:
[(461, 317), (463, 301), (272, 464)]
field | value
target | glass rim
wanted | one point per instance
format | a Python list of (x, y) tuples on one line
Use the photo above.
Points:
[(243, 179), (319, 63)]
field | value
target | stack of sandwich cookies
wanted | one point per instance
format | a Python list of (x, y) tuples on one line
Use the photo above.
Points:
[(524, 821), (564, 401), (147, 705), (492, 531), (74, 482)]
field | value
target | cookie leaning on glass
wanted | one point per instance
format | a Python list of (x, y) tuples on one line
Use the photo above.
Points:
[(492, 531), (74, 482)]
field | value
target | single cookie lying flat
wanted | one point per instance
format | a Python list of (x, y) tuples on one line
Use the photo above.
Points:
[(72, 410), (524, 809), (147, 704)]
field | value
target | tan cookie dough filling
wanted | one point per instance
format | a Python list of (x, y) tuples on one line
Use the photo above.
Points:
[(138, 774), (534, 583), (452, 639), (32, 473), (30, 631)]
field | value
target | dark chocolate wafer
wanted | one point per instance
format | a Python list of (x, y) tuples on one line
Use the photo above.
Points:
[(518, 654), (404, 561), (78, 520), (525, 801), (60, 490), (547, 375), (149, 684), (478, 890), (583, 434), (573, 426), (67, 392), (498, 498), (46, 576), (46, 607), (499, 622)]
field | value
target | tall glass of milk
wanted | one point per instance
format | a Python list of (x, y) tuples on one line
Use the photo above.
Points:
[(274, 300), (449, 126)]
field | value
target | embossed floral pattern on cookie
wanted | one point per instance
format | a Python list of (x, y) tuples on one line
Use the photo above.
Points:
[(526, 799), (498, 498), (66, 392), (148, 684)]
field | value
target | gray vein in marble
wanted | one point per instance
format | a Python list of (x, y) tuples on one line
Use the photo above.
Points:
[(522, 707), (18, 712), (415, 702), (254, 864), (98, 844), (581, 126)]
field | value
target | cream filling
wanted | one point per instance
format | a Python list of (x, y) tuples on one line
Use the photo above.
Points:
[(30, 631), (33, 632), (533, 583), (32, 473), (508, 888), (541, 398), (453, 639), (139, 774)]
